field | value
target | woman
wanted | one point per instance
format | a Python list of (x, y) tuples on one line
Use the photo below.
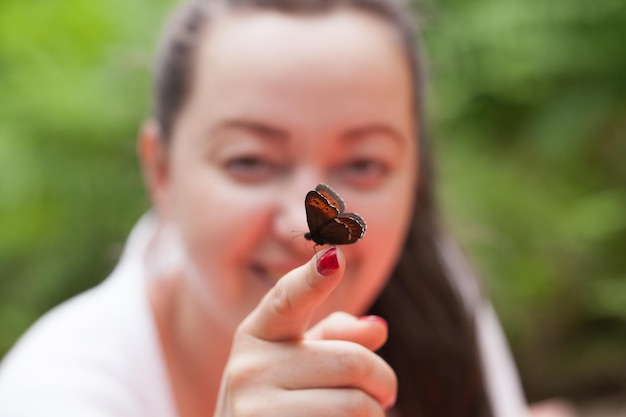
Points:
[(218, 307)]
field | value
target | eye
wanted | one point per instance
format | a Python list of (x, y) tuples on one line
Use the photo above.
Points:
[(251, 168), (364, 172)]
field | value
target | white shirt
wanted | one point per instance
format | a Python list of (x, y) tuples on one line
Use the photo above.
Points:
[(98, 354)]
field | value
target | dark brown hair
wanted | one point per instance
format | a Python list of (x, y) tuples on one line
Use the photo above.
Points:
[(432, 342)]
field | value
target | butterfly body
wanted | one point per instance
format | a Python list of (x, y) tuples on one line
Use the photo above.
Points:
[(328, 224)]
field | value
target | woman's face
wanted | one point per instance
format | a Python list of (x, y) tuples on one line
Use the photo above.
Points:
[(278, 105)]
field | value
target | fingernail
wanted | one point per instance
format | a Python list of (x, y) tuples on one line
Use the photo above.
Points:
[(328, 263), (374, 319)]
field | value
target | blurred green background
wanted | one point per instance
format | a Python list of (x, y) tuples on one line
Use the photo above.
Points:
[(528, 116)]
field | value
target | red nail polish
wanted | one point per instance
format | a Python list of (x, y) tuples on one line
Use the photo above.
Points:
[(328, 263)]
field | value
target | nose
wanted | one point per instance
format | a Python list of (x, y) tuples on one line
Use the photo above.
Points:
[(290, 217)]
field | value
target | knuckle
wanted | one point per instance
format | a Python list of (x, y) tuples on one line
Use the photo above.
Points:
[(244, 409), (393, 383), (240, 373), (339, 316), (358, 404), (282, 303), (296, 294), (314, 284), (244, 387), (352, 359), (367, 371)]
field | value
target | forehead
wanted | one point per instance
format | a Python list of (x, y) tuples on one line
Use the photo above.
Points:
[(338, 31), (336, 67), (262, 45)]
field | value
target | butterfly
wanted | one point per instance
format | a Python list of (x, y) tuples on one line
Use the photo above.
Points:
[(328, 224)]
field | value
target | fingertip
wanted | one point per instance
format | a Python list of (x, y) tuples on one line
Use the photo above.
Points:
[(325, 271), (368, 331), (329, 262), (378, 331), (285, 311), (374, 319)]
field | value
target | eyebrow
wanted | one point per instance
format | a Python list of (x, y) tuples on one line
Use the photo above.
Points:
[(265, 131), (374, 129), (259, 129)]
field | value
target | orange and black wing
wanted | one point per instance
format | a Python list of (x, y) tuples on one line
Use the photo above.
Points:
[(318, 212), (332, 197), (327, 222), (342, 230)]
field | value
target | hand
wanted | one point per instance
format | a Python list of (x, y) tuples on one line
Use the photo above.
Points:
[(552, 408), (278, 368)]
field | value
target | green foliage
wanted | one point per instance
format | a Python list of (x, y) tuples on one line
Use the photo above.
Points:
[(74, 77), (528, 113)]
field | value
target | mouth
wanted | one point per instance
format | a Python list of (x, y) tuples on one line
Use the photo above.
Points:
[(268, 277), (270, 273)]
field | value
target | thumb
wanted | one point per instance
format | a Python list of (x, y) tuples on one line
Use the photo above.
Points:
[(285, 311)]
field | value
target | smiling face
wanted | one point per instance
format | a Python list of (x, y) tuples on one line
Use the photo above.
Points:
[(279, 104)]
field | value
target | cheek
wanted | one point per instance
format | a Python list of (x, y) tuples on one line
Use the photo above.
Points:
[(388, 219), (219, 230), (218, 223), (383, 243), (372, 260)]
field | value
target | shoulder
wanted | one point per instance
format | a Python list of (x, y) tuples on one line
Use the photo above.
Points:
[(498, 366), (70, 351), (96, 354)]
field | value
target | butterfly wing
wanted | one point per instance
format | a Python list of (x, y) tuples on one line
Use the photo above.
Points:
[(332, 197), (343, 230), (326, 220), (318, 211)]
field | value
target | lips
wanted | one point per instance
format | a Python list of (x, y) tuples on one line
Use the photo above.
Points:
[(262, 274), (269, 274)]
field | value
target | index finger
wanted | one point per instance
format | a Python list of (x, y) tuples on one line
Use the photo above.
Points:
[(285, 311)]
